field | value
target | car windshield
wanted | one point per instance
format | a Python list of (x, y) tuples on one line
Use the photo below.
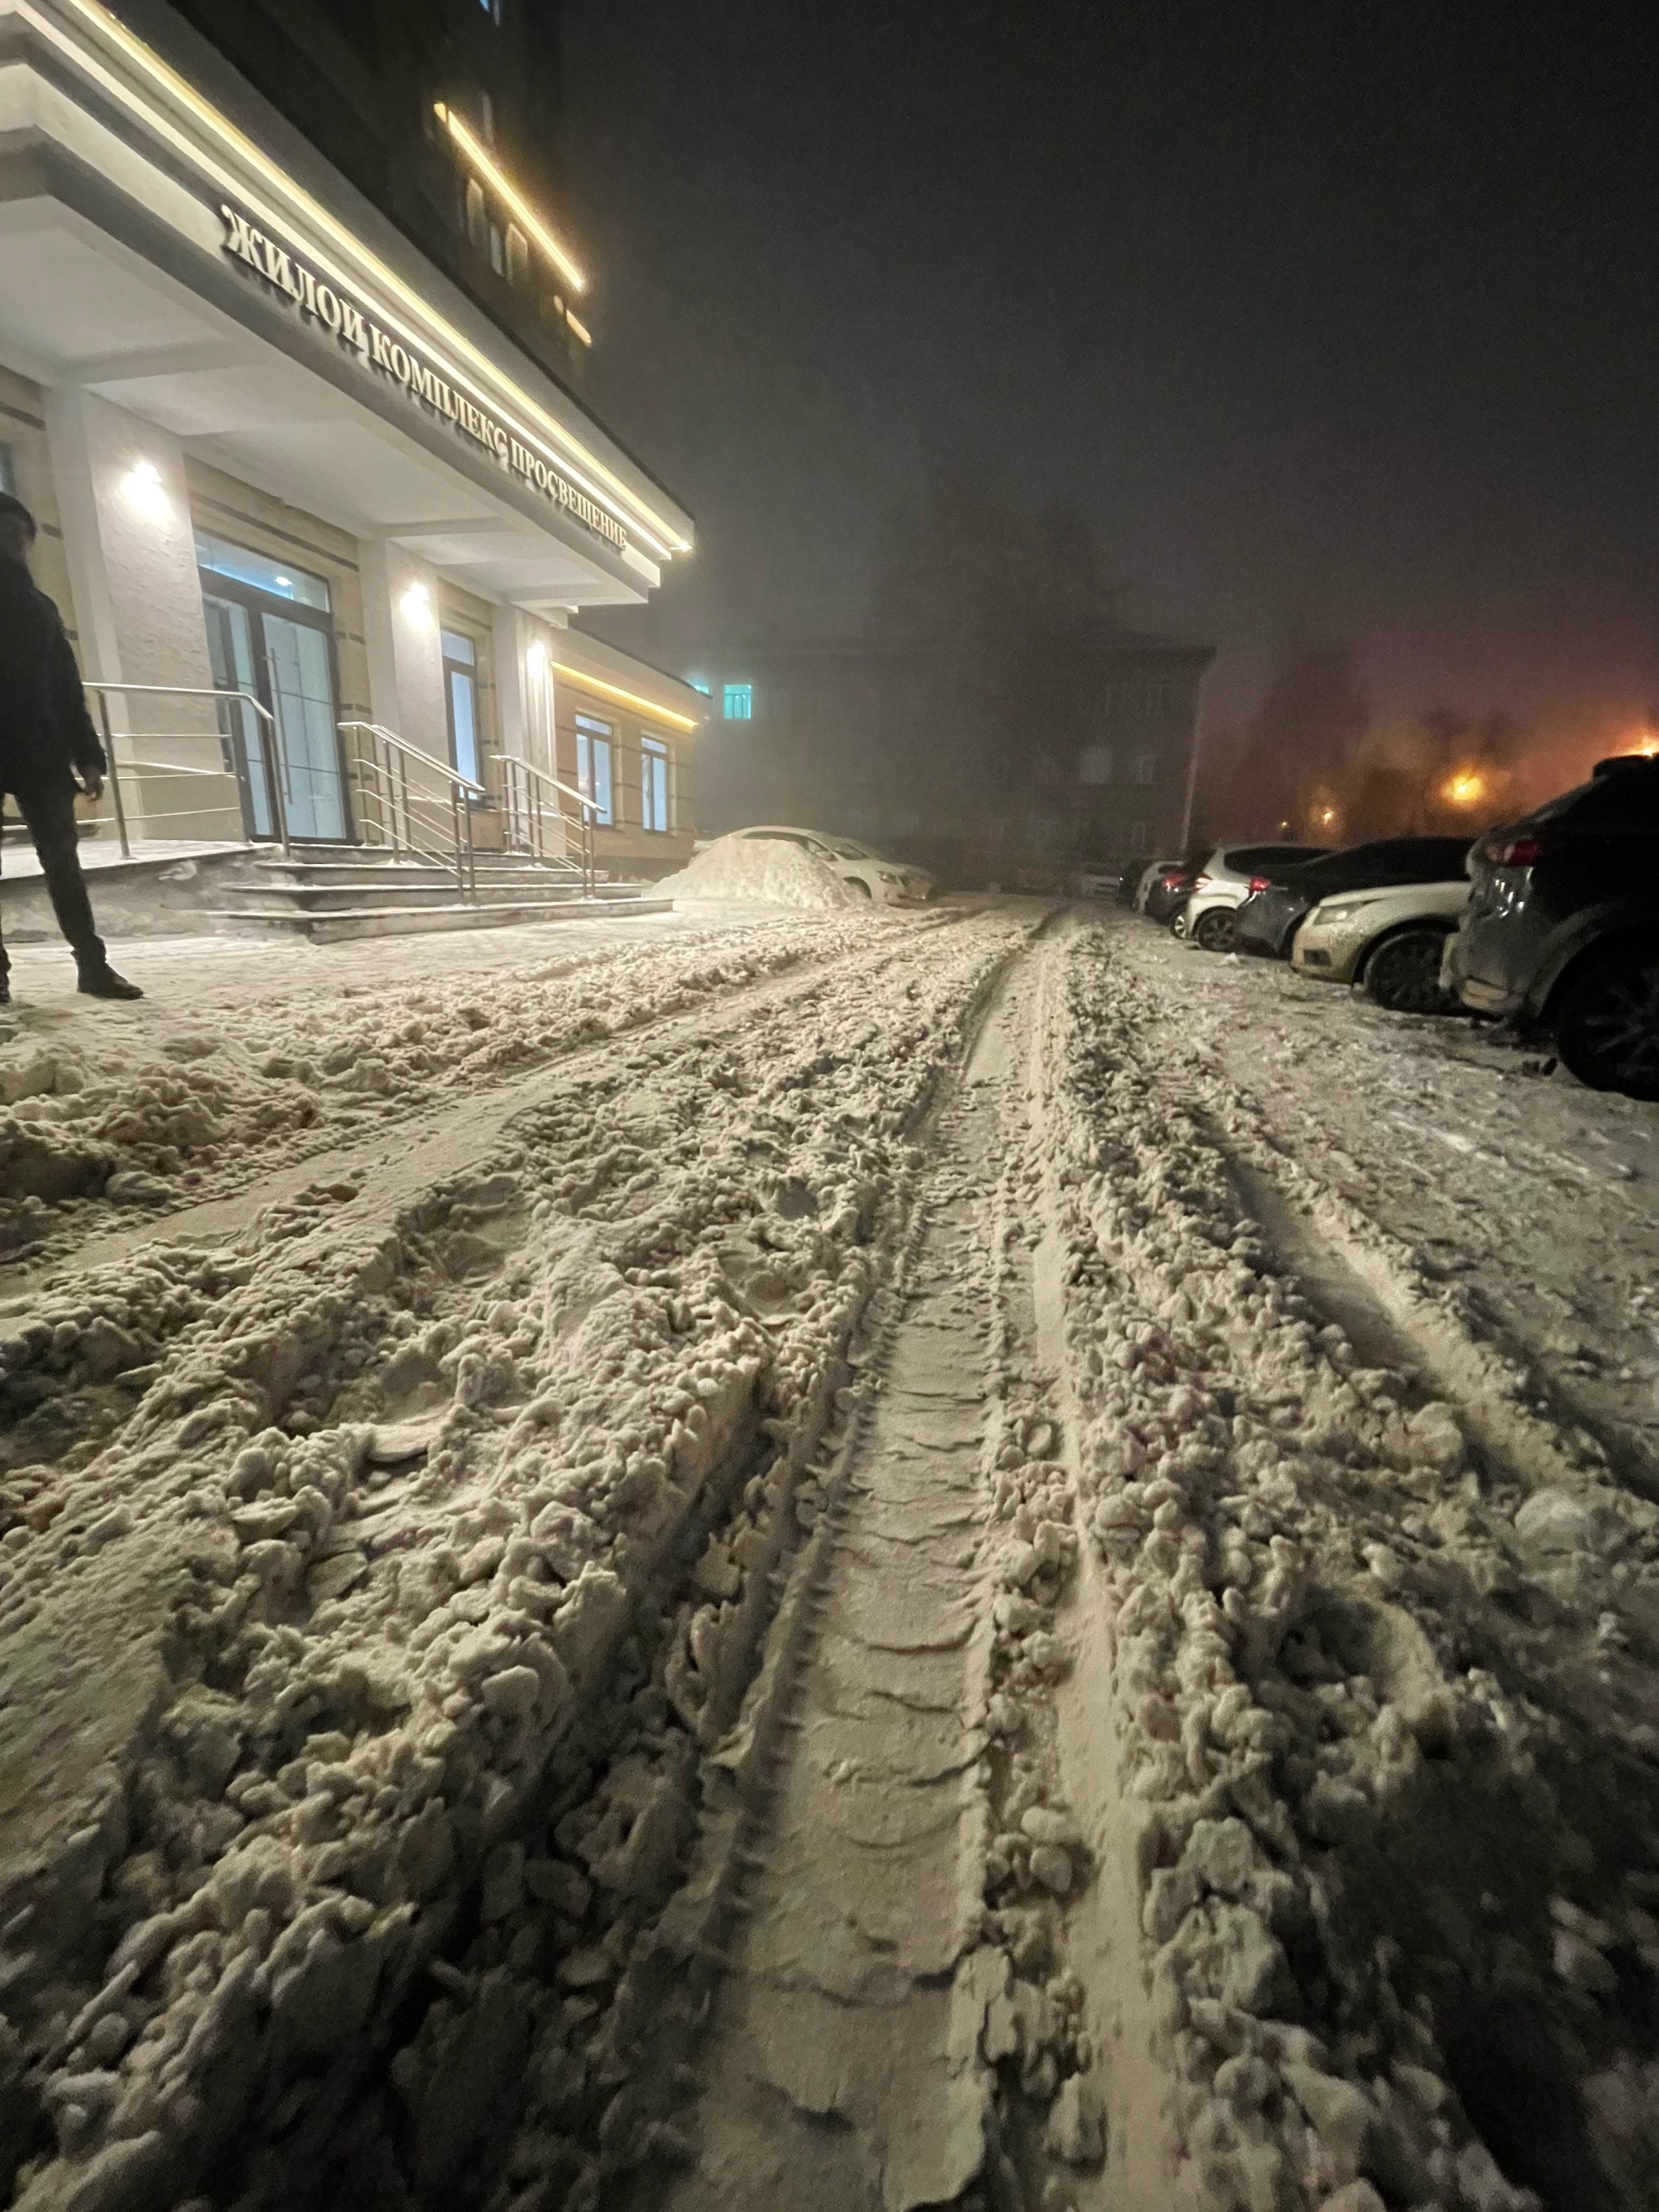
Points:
[(848, 848)]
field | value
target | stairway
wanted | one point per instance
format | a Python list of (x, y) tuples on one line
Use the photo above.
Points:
[(331, 893)]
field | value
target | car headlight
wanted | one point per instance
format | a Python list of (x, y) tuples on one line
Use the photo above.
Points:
[(1342, 911)]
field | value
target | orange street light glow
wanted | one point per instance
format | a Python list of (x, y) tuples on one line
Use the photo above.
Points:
[(510, 194), (1464, 790)]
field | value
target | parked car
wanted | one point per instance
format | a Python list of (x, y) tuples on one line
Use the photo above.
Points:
[(1390, 939), (1170, 892), (1267, 919), (1562, 935), (1099, 880), (1144, 882), (894, 883), (1222, 884)]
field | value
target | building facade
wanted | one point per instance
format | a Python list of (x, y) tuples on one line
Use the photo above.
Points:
[(392, 94), (278, 448), (1071, 746)]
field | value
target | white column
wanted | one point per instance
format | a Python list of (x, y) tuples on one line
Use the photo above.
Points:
[(131, 551), (524, 687), (400, 630)]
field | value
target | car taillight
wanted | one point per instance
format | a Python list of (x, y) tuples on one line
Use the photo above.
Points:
[(1513, 852), (1261, 883)]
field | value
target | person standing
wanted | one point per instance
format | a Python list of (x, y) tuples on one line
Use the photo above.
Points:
[(49, 750)]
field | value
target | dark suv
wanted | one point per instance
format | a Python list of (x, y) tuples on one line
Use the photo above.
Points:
[(1267, 919), (1561, 933)]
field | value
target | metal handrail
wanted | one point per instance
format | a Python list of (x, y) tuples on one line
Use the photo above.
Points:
[(531, 831), (407, 809), (274, 782)]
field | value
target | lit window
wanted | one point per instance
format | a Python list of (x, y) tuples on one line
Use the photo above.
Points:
[(1145, 767), (737, 702), (280, 579), (497, 251), (699, 684), (1095, 765), (594, 764), (517, 255), (461, 700), (654, 809)]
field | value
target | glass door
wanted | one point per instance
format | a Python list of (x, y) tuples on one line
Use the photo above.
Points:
[(302, 682), (269, 632), (230, 649)]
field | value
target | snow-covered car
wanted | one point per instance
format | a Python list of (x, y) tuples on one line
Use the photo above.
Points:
[(893, 883), (1390, 940), (1144, 882), (1223, 885)]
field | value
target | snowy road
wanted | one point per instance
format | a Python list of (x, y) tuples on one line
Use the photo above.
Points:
[(861, 1563)]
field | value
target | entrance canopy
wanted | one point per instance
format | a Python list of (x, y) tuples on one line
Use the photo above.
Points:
[(172, 246)]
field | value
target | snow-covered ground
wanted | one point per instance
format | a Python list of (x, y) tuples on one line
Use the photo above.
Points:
[(854, 1561)]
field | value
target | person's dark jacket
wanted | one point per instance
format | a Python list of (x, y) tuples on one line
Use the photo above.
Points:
[(45, 729)]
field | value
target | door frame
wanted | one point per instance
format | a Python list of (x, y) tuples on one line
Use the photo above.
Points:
[(258, 604)]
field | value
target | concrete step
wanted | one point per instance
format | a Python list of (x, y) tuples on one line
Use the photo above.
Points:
[(340, 925), (388, 874), (368, 898)]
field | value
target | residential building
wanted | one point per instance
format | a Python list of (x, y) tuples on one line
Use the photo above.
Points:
[(448, 116), (1077, 745), (281, 442)]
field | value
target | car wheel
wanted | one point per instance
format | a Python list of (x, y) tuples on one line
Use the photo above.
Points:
[(1607, 1031), (857, 883), (1217, 930), (1403, 973)]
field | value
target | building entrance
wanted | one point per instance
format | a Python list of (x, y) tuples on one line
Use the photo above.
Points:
[(270, 632)]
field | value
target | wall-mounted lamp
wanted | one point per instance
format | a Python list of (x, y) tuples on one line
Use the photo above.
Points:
[(145, 492), (416, 603), (536, 658)]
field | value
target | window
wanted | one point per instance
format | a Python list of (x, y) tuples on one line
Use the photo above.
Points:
[(245, 567), (1095, 765), (594, 764), (737, 702), (517, 255), (9, 473), (476, 221), (1145, 767), (1139, 839), (699, 684), (460, 703), (486, 110), (654, 811), (497, 251)]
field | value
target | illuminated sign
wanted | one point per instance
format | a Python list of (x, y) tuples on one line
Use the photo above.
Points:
[(355, 329)]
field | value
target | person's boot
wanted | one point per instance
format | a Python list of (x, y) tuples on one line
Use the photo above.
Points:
[(103, 982), (5, 990)]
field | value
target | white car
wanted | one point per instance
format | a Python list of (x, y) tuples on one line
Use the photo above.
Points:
[(1390, 941), (1223, 884), (893, 883)]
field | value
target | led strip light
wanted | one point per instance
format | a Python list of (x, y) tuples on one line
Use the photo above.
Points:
[(626, 698), (505, 189), (656, 533)]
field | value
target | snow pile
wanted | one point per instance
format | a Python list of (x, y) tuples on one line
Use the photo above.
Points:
[(379, 1588), (767, 870)]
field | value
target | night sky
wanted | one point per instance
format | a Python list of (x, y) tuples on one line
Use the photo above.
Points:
[(1337, 320)]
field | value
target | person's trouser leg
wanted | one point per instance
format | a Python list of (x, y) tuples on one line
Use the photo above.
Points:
[(50, 813)]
